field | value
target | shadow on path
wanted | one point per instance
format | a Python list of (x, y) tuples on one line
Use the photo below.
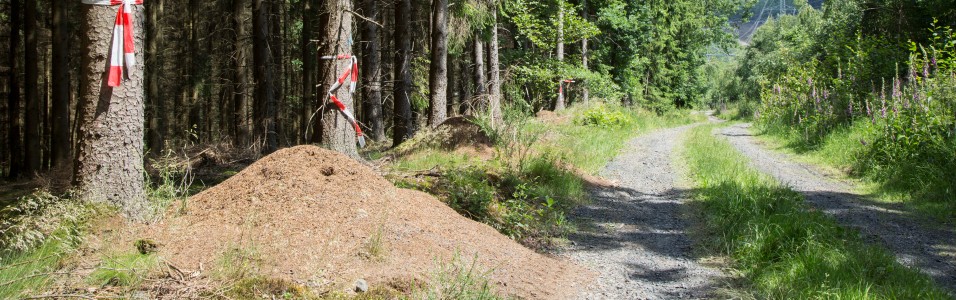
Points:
[(635, 233), (931, 249)]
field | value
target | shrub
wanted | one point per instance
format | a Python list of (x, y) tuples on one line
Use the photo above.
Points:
[(602, 116)]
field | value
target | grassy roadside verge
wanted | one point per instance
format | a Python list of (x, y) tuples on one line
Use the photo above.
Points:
[(923, 186), (785, 249), (537, 173)]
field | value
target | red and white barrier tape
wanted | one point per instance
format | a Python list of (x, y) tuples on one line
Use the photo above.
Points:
[(561, 85), (122, 49), (353, 72)]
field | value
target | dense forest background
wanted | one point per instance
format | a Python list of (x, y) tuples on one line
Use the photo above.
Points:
[(250, 75), (201, 83)]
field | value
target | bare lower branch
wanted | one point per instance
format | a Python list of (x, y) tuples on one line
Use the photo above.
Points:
[(364, 18)]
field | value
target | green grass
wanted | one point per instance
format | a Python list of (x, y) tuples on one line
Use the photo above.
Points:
[(124, 270), (30, 272), (925, 187), (535, 178), (785, 249), (591, 147), (457, 279)]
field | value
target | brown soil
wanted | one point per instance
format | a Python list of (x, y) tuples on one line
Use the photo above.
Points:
[(456, 134), (312, 215)]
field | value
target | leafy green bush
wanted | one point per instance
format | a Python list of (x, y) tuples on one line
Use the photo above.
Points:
[(906, 128), (602, 116)]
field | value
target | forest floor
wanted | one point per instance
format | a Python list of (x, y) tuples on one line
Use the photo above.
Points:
[(928, 247), (636, 231)]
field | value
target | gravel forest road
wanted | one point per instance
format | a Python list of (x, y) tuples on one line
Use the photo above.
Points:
[(929, 248), (635, 232)]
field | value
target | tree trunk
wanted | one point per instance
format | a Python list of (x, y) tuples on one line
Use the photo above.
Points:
[(402, 108), (32, 134), (265, 108), (196, 63), (13, 98), (109, 159), (372, 73), (585, 95), (156, 103), (494, 99), (276, 44), (438, 80), (61, 147), (480, 82), (337, 132), (559, 104), (240, 125), (454, 83), (308, 68)]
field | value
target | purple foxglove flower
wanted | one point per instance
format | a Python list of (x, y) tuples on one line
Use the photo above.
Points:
[(897, 92)]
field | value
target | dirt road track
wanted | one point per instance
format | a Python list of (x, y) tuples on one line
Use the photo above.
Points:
[(928, 248), (635, 234)]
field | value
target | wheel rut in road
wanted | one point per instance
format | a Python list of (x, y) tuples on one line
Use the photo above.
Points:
[(635, 232), (917, 244)]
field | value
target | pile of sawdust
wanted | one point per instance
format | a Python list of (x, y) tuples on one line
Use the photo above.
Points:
[(456, 134), (313, 216)]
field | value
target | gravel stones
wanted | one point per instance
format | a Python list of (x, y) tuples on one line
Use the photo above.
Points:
[(635, 232)]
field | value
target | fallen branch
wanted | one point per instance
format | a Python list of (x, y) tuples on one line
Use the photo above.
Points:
[(182, 275), (364, 18)]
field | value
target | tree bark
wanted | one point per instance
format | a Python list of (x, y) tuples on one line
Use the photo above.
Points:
[(61, 146), (13, 98), (480, 82), (454, 83), (585, 95), (156, 103), (494, 99), (308, 68), (196, 63), (277, 44), (265, 108), (240, 125), (109, 159), (337, 132), (402, 108), (372, 73), (559, 104), (32, 134), (438, 80)]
